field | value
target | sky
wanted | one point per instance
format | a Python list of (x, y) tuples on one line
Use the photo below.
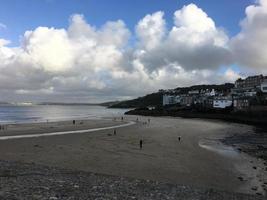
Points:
[(102, 50)]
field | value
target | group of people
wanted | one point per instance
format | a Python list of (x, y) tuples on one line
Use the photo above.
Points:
[(137, 120), (115, 119), (3, 127), (146, 122)]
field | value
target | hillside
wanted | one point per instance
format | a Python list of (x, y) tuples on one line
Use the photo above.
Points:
[(155, 99), (222, 87)]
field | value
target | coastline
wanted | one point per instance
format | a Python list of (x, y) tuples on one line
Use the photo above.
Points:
[(227, 117)]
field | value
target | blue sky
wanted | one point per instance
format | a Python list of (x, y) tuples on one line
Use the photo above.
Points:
[(20, 16)]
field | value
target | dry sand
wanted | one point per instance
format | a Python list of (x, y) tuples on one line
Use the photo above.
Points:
[(198, 160)]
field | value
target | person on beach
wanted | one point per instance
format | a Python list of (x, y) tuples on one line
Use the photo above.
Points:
[(121, 118), (141, 144), (73, 122), (179, 138), (115, 132)]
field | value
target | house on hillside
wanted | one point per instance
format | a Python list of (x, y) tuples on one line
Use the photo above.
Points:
[(186, 100), (171, 99), (241, 103), (264, 86), (250, 86), (222, 102)]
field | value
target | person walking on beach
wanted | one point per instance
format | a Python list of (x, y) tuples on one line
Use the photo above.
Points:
[(141, 144), (115, 132), (73, 122)]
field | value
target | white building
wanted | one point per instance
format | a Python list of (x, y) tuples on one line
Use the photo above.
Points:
[(171, 99), (250, 94), (222, 102), (193, 92), (264, 87), (210, 93)]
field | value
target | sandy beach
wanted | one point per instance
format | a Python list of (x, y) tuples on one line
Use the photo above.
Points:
[(199, 160)]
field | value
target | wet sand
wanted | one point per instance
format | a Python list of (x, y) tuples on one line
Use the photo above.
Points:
[(198, 160)]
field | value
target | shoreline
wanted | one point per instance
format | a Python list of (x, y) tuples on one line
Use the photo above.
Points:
[(226, 117), (243, 143), (18, 129), (10, 137)]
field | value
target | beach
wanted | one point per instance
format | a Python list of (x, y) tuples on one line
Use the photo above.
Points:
[(199, 160)]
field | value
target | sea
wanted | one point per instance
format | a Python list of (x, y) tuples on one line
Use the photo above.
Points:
[(43, 113)]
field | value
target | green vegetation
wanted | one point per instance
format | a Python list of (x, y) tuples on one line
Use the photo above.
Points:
[(154, 99)]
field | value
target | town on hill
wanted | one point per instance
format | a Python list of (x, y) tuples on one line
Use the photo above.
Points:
[(246, 98)]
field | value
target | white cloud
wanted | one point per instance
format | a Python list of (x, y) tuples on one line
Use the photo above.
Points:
[(2, 26), (71, 61), (194, 27), (49, 48), (151, 30), (194, 42), (4, 42), (85, 63), (250, 45), (194, 18)]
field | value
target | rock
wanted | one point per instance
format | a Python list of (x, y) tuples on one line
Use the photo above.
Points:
[(254, 188)]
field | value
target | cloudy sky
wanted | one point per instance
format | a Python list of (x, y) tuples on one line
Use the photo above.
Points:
[(100, 50)]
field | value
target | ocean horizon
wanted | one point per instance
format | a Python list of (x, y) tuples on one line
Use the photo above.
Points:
[(32, 113)]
